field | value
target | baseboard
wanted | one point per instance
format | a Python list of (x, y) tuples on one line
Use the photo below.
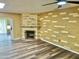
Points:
[(61, 46)]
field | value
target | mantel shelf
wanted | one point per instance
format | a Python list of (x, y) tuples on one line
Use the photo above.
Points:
[(29, 26)]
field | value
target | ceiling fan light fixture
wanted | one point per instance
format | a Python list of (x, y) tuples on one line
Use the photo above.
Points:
[(2, 5), (61, 2)]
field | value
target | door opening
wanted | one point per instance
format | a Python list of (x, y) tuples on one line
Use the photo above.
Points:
[(6, 27)]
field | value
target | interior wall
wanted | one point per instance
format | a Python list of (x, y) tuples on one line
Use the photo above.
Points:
[(61, 27), (16, 23)]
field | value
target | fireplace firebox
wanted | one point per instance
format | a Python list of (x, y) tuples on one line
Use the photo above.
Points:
[(29, 34)]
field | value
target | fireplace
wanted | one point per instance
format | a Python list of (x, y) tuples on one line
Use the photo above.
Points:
[(29, 34)]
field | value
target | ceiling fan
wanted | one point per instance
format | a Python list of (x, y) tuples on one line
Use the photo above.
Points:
[(60, 3)]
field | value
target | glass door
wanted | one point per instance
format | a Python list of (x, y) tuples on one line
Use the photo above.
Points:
[(6, 28), (3, 25)]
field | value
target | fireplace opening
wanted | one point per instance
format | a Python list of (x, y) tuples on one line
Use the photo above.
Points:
[(29, 34)]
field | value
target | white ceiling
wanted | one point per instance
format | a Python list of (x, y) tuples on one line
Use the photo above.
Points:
[(32, 6)]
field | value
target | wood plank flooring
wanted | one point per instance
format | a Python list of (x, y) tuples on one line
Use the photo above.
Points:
[(34, 49)]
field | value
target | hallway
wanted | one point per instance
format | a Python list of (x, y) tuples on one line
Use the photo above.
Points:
[(35, 49)]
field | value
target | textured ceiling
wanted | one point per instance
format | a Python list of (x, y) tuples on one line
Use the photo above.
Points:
[(32, 6)]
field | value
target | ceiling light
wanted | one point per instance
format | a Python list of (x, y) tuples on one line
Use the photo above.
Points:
[(2, 5), (61, 3)]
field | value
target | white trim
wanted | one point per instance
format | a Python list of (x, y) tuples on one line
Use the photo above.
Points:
[(60, 46)]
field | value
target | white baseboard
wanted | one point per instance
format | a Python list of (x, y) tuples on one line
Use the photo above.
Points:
[(61, 46)]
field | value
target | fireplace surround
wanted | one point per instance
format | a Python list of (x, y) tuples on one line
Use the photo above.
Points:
[(29, 33), (29, 26)]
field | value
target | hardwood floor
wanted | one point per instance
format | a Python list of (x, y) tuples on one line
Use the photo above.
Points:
[(35, 49)]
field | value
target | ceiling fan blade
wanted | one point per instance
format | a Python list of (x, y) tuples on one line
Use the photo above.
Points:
[(75, 2), (50, 3)]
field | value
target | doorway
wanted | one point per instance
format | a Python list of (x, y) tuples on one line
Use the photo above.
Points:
[(6, 29)]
